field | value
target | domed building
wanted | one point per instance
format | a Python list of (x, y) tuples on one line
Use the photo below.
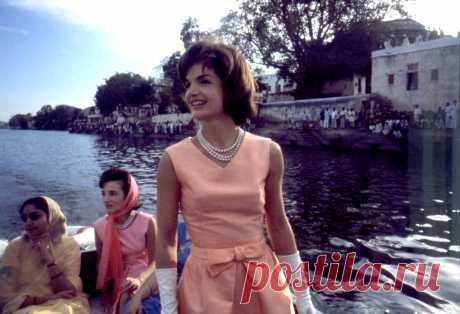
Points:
[(400, 29)]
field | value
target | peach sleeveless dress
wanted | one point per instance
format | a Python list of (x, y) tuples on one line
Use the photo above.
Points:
[(224, 213)]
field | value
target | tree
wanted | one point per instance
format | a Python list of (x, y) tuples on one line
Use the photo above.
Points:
[(171, 76), (350, 51), (19, 121), (190, 32), (45, 109), (165, 100), (42, 117), (58, 118), (295, 36), (173, 89), (62, 116), (126, 89)]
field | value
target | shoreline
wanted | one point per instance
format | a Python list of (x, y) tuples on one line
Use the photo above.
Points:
[(358, 139)]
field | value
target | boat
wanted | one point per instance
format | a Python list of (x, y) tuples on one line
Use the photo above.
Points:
[(84, 235)]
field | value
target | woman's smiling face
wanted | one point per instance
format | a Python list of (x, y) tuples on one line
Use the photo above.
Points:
[(204, 93)]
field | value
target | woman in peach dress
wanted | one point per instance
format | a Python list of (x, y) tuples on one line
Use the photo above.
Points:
[(228, 182)]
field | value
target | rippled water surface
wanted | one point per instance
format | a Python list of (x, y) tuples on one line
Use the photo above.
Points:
[(387, 208)]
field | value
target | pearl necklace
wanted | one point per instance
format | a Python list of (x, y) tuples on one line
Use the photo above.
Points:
[(222, 154), (127, 222)]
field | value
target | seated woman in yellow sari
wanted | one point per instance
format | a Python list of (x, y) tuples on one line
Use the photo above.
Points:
[(39, 271)]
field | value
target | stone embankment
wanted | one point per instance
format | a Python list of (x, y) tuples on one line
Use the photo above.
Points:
[(414, 140), (333, 138)]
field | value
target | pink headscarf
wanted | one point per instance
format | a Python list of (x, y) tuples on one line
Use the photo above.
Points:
[(111, 254)]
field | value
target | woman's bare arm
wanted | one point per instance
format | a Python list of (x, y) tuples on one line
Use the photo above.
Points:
[(167, 207), (279, 228), (148, 282)]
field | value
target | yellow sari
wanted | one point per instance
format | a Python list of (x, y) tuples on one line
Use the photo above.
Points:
[(23, 274)]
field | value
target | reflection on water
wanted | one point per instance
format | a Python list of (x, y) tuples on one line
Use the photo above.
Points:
[(387, 208)]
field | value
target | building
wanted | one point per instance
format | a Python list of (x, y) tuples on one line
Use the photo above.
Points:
[(278, 89), (355, 85), (424, 72), (404, 30)]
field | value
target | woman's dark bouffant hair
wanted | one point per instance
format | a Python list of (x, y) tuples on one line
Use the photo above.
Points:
[(38, 202), (234, 71), (117, 174)]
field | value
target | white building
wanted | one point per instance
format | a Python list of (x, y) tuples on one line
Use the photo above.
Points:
[(425, 73), (279, 89)]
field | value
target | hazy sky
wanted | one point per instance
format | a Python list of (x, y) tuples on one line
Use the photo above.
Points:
[(59, 51)]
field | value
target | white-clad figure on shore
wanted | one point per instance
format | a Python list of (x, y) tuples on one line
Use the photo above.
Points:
[(334, 115), (322, 115), (327, 118), (417, 115), (387, 127), (352, 117), (450, 116), (455, 114)]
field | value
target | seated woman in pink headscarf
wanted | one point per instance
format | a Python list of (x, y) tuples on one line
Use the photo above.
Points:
[(39, 271), (125, 241)]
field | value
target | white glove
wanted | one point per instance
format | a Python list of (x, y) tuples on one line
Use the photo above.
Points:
[(303, 303), (166, 278)]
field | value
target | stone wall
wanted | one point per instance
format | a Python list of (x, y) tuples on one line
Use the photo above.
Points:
[(307, 109)]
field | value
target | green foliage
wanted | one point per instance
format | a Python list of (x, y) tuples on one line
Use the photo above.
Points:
[(126, 89), (47, 118), (165, 100), (383, 107), (172, 93), (350, 51), (20, 121), (307, 40), (175, 89), (190, 32), (58, 118)]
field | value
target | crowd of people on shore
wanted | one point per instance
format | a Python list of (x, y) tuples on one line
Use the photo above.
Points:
[(372, 116), (445, 117), (343, 118), (124, 125), (395, 124), (132, 122)]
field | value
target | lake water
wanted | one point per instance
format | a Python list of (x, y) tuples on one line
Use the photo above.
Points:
[(387, 208)]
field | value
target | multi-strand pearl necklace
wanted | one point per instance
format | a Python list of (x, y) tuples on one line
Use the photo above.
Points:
[(222, 154)]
